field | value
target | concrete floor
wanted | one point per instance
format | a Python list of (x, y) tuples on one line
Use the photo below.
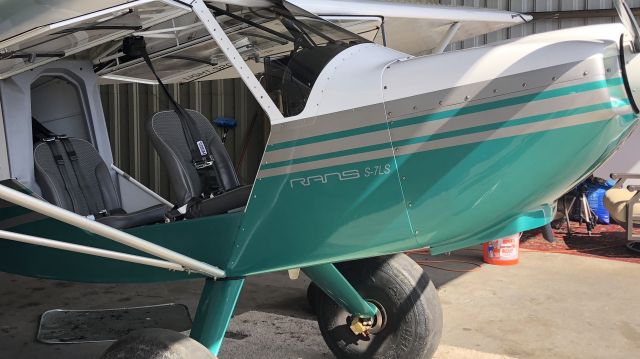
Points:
[(550, 305)]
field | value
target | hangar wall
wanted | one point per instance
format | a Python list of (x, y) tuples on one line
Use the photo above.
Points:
[(570, 13)]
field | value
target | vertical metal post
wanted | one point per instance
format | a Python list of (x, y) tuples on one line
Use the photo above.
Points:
[(332, 282), (217, 302), (447, 38), (384, 34), (228, 48)]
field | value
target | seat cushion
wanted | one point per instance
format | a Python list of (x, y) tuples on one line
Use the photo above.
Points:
[(70, 194), (153, 214), (168, 138), (227, 201), (98, 189), (616, 199)]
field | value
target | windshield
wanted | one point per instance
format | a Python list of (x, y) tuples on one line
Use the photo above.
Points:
[(290, 77)]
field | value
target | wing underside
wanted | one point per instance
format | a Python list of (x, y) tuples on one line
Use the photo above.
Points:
[(182, 49), (419, 28)]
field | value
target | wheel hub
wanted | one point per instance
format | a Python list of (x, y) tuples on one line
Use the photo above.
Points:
[(366, 326)]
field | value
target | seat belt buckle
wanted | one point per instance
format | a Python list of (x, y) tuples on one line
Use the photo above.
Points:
[(104, 213), (59, 160), (202, 163)]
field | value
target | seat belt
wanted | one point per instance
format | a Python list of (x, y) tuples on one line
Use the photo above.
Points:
[(135, 46), (43, 134), (62, 168), (94, 207)]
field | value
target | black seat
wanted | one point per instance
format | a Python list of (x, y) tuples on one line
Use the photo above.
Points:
[(190, 185), (72, 175)]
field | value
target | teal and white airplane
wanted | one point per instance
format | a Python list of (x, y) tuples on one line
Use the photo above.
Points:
[(372, 151)]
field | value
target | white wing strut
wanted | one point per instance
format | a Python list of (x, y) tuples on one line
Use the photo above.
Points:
[(447, 38), (48, 209), (234, 57), (71, 247)]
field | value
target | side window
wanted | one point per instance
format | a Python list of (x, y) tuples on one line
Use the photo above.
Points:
[(57, 104)]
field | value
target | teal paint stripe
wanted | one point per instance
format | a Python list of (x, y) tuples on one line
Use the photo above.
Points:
[(544, 95), (504, 124), (450, 134)]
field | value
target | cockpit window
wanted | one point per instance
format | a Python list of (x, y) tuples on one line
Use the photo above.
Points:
[(290, 77)]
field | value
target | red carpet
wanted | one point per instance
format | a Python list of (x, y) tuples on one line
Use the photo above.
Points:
[(606, 241)]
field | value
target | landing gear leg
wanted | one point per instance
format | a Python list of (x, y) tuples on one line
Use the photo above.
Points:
[(327, 277), (408, 319), (217, 302)]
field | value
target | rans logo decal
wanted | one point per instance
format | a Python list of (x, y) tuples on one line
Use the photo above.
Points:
[(377, 170)]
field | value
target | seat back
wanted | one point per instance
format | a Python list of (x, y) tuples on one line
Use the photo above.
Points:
[(168, 138), (95, 189)]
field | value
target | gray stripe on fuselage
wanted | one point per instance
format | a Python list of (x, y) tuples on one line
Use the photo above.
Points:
[(487, 91), (425, 103), (502, 114), (580, 119), (332, 123)]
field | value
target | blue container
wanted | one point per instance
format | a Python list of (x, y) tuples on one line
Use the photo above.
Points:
[(595, 195)]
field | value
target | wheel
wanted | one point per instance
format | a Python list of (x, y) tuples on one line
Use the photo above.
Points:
[(409, 320), (156, 344), (312, 294)]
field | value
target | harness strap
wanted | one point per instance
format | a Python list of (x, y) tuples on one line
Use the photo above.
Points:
[(62, 168), (43, 134), (200, 157), (199, 154), (94, 206)]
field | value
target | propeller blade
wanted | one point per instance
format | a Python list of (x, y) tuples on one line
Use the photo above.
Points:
[(629, 22)]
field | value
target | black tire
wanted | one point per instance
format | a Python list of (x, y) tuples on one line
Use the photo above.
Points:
[(156, 344), (312, 296), (412, 316)]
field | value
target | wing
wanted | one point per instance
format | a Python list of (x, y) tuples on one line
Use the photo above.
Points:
[(417, 28), (182, 49)]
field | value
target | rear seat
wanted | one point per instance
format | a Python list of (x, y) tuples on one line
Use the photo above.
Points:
[(72, 175)]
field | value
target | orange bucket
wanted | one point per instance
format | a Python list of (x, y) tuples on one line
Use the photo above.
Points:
[(503, 251)]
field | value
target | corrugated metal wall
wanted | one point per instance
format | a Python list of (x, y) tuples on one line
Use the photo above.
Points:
[(529, 6), (128, 106)]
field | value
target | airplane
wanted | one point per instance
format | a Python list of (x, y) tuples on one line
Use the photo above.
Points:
[(372, 152)]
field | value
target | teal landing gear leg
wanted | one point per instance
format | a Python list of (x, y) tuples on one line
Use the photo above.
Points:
[(217, 302), (332, 282)]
